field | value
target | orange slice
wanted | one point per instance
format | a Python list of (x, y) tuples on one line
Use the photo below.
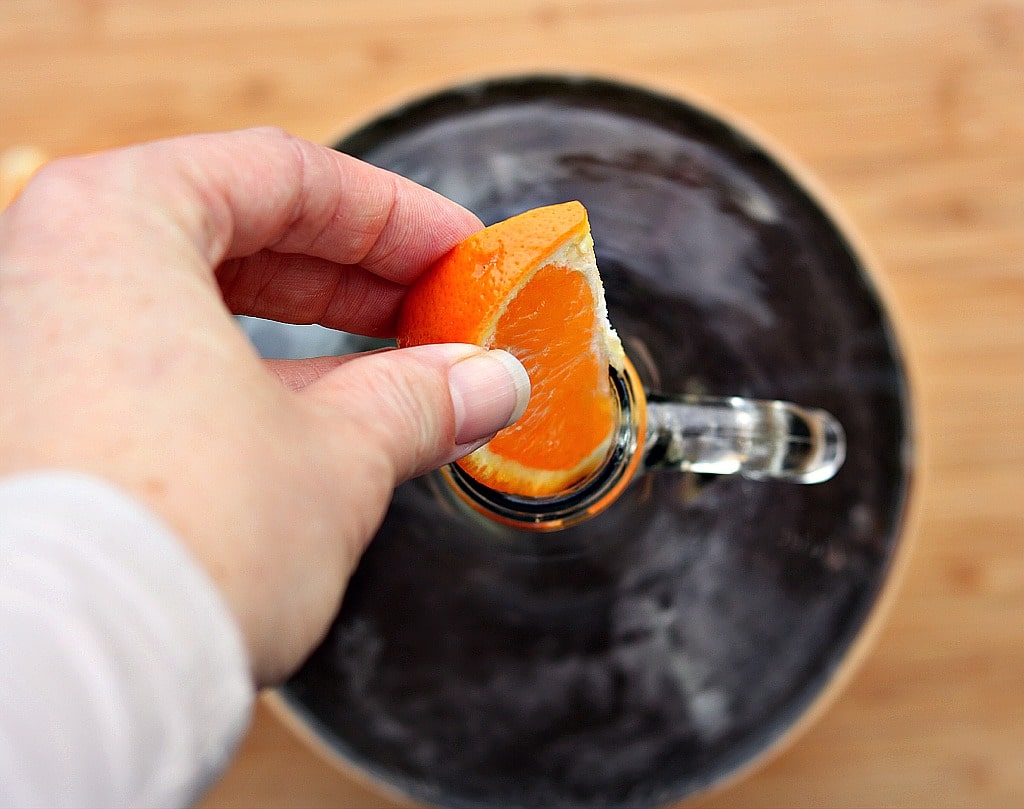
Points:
[(530, 285)]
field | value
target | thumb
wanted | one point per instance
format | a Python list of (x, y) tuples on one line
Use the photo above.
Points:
[(425, 406)]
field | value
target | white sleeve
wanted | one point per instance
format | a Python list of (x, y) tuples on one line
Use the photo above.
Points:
[(123, 678)]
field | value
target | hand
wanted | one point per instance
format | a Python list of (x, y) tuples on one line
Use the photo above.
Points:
[(119, 273)]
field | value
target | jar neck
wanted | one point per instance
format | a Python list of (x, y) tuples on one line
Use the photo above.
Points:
[(584, 499)]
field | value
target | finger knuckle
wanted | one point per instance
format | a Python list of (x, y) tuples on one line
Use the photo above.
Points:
[(64, 181)]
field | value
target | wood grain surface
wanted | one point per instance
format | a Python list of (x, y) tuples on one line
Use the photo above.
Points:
[(910, 114)]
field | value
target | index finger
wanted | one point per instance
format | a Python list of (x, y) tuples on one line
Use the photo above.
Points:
[(241, 192)]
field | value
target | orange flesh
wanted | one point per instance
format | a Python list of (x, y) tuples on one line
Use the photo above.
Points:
[(548, 326), (488, 290)]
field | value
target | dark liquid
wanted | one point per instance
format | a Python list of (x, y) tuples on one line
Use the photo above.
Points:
[(651, 651)]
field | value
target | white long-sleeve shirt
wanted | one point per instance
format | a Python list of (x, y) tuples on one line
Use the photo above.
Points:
[(123, 678)]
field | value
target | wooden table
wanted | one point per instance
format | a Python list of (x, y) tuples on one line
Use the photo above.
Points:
[(910, 113)]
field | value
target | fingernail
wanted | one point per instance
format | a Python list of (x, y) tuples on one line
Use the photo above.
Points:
[(489, 392)]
